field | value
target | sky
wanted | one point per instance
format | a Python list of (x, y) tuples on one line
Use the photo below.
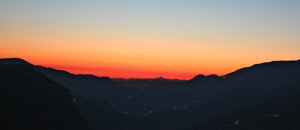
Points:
[(150, 38)]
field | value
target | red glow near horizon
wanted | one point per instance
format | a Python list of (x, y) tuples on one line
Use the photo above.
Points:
[(127, 71), (126, 74)]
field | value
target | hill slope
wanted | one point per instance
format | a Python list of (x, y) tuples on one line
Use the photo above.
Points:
[(280, 112), (243, 88), (29, 100)]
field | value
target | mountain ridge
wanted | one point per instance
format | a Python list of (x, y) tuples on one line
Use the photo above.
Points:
[(16, 60), (30, 100)]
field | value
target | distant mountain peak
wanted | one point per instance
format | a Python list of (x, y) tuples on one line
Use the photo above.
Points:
[(160, 78), (213, 76), (90, 76), (200, 76), (267, 68), (14, 61), (203, 77)]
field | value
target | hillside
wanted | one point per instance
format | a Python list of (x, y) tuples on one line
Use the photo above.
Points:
[(29, 100), (277, 113)]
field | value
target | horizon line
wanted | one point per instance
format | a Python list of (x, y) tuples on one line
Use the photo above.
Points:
[(164, 77)]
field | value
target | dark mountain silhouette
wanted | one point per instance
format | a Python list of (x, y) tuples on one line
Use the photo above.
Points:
[(201, 78), (141, 83), (101, 115), (262, 70), (277, 113), (182, 95), (240, 89), (93, 88), (13, 61), (29, 100), (166, 104), (32, 101), (90, 94)]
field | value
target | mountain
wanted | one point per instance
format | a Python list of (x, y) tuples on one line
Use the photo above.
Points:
[(263, 70), (142, 83), (30, 97), (277, 113), (13, 61), (93, 88), (240, 89), (101, 115), (185, 94), (30, 100), (90, 95), (165, 104), (202, 78)]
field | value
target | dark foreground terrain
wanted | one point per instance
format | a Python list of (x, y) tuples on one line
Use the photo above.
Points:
[(262, 96), (30, 100)]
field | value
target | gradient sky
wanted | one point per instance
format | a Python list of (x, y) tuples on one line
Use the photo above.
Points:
[(150, 38)]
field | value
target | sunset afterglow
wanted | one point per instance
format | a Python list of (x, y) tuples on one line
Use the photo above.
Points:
[(148, 39)]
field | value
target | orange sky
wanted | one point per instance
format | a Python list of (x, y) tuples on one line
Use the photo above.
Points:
[(138, 56), (128, 58), (175, 39)]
